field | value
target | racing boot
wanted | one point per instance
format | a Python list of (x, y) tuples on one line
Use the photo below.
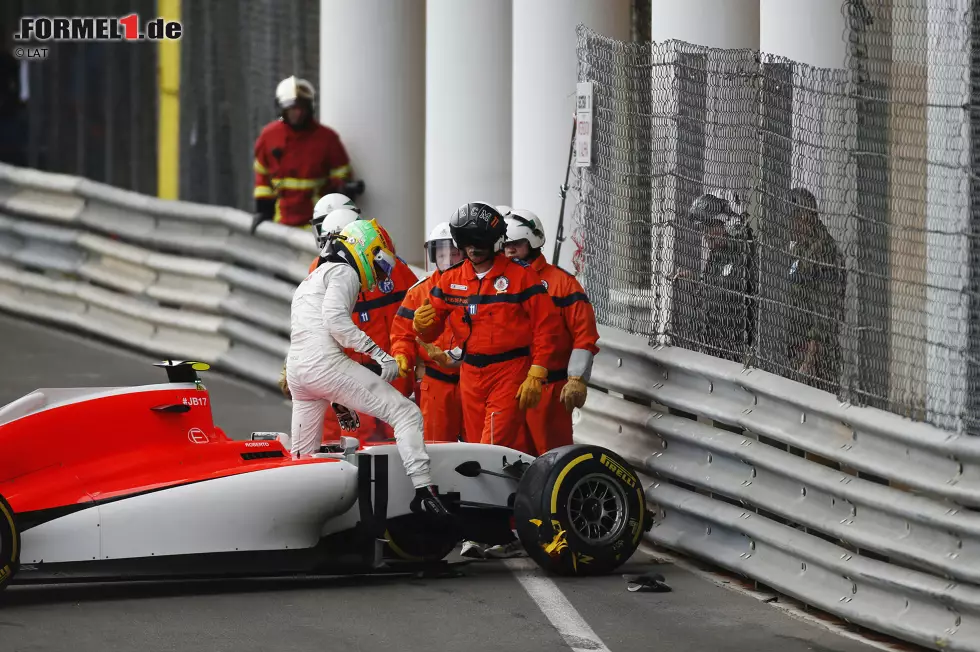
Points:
[(506, 550), (473, 550)]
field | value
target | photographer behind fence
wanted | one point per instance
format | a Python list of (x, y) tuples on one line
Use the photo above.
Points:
[(727, 294), (712, 305), (817, 283)]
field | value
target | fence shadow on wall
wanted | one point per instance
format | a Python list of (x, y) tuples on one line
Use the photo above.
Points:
[(814, 223)]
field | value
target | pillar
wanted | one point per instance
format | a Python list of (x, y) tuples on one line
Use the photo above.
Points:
[(468, 102), (545, 71), (168, 125), (817, 130), (372, 92), (729, 24), (948, 211), (712, 146), (908, 171)]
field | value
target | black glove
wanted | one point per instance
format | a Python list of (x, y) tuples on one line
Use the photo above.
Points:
[(427, 502), (265, 210), (347, 418)]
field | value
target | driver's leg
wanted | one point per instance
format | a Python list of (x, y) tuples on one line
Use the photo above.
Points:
[(307, 425)]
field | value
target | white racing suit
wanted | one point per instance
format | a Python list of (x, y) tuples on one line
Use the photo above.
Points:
[(320, 373)]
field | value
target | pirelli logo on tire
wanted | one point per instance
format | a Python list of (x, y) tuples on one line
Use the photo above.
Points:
[(620, 472)]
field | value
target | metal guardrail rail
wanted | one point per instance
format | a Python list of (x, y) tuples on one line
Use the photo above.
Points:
[(166, 277), (861, 513), (858, 512)]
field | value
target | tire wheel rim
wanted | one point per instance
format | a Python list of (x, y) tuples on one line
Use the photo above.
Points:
[(597, 509)]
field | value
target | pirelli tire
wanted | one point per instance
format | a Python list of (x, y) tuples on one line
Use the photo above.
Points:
[(580, 510), (9, 544)]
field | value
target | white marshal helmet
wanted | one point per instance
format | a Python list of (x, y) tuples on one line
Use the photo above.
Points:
[(504, 210), (524, 225), (334, 223), (293, 89), (439, 232), (327, 205), (440, 249)]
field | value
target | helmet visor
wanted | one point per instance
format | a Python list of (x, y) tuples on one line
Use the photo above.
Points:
[(443, 254), (384, 263)]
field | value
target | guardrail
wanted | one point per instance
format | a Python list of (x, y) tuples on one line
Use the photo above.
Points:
[(858, 512), (170, 278)]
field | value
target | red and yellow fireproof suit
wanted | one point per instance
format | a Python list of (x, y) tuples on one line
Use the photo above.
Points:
[(374, 314), (439, 395), (297, 167), (549, 423), (504, 322)]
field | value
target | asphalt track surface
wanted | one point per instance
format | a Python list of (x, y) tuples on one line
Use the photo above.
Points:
[(493, 606)]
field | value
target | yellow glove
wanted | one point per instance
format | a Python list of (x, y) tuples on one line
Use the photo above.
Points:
[(529, 395), (573, 393), (404, 368), (438, 356), (425, 317), (283, 385)]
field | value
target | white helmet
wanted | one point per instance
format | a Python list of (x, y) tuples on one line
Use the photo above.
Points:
[(524, 225), (334, 222), (440, 249), (504, 210), (292, 90), (328, 204)]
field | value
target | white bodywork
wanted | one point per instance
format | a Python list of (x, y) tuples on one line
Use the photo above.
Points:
[(285, 508), (272, 509)]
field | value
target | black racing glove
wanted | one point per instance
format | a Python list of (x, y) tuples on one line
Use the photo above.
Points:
[(346, 417), (427, 502)]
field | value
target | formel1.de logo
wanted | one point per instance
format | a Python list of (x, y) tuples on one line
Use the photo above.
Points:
[(96, 28)]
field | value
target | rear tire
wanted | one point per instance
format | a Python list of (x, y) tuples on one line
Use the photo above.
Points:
[(9, 544), (580, 510)]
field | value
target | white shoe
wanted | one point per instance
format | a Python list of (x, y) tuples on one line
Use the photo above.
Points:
[(507, 551), (472, 549)]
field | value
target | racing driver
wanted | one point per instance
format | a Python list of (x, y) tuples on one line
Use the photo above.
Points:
[(319, 373)]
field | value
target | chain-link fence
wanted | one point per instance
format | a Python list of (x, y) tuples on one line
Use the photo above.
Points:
[(233, 54), (815, 223)]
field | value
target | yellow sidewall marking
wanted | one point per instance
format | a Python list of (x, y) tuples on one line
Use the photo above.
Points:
[(10, 519), (561, 478), (398, 551)]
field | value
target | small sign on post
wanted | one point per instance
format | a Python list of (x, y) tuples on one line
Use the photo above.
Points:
[(583, 120)]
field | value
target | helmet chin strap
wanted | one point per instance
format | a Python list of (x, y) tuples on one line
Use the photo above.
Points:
[(482, 259)]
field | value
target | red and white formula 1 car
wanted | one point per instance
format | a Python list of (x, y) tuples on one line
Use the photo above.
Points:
[(137, 483)]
